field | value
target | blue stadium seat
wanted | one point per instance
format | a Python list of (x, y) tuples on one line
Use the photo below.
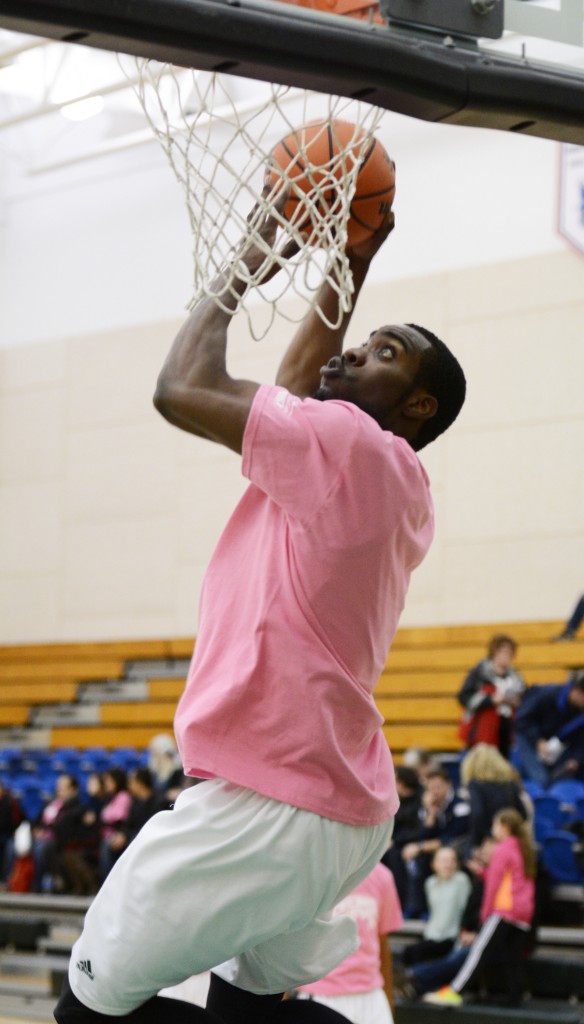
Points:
[(547, 806), (11, 760), (65, 759), (559, 858), (91, 762), (542, 827), (568, 792), (533, 788), (579, 814), (41, 759), (31, 799), (127, 758)]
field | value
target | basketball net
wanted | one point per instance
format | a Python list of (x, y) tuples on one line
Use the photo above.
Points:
[(217, 132)]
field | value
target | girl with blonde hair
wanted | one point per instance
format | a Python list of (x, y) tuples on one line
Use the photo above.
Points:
[(492, 784)]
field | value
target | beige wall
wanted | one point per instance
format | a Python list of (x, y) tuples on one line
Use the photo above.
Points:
[(108, 515)]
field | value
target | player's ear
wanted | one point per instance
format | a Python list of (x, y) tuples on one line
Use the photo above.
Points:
[(420, 406)]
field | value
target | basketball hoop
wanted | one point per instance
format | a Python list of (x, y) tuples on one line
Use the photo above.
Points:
[(218, 133)]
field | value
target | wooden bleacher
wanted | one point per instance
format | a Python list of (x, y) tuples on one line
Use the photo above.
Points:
[(34, 676), (416, 693), (90, 652)]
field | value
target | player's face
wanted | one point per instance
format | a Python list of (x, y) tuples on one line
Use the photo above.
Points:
[(379, 376)]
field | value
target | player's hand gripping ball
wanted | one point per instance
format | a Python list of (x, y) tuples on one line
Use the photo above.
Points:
[(314, 161)]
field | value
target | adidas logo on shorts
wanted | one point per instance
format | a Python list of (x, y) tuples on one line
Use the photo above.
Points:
[(85, 967)]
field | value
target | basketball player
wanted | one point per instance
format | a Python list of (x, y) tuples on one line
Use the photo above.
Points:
[(298, 609)]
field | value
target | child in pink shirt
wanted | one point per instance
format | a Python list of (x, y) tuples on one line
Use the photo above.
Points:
[(507, 911), (361, 986), (113, 814)]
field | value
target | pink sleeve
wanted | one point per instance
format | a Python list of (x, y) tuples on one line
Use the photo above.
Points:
[(296, 451), (118, 808), (390, 914), (493, 877)]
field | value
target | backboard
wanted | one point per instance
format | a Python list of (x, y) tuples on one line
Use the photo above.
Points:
[(517, 67)]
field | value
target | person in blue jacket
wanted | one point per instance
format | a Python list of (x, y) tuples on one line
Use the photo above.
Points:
[(549, 731)]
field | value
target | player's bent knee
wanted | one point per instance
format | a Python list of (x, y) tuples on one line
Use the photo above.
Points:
[(159, 1010), (69, 1009), (235, 1005)]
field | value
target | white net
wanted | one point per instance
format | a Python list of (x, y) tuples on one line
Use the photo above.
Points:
[(218, 133)]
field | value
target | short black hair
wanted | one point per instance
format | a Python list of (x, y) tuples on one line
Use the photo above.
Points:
[(407, 776), (119, 777), (442, 375), (144, 777), (439, 773)]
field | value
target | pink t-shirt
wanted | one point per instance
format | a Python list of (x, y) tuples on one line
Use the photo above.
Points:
[(299, 606), (114, 812), (375, 907), (507, 890)]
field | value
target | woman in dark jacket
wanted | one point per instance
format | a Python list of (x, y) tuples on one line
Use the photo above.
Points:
[(490, 695), (492, 784)]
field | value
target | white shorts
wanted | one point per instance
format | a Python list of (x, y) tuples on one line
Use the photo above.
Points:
[(229, 878), (360, 1007)]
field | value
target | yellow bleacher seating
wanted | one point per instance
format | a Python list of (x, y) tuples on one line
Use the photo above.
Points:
[(416, 693)]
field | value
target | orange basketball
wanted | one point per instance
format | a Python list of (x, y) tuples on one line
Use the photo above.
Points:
[(318, 156)]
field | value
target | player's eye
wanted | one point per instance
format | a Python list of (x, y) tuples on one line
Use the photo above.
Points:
[(387, 351)]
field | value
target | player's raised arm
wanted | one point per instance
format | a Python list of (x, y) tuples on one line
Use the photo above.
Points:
[(314, 342), (194, 391)]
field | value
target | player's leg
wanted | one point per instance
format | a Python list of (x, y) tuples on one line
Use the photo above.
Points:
[(335, 858), (241, 1007), (236, 1006), (159, 1010), (216, 876)]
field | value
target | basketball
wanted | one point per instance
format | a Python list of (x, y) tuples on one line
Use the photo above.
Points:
[(317, 158)]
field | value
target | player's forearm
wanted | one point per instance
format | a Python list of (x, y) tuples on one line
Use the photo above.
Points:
[(198, 354), (315, 342), (194, 391)]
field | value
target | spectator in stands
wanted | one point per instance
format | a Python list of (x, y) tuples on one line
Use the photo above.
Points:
[(95, 795), (409, 790), (430, 975), (492, 783), (507, 911), (490, 695), (361, 987), (550, 731), (11, 815), (573, 624), (143, 805), (114, 813), (406, 825), (421, 760), (69, 855), (167, 771), (443, 821), (42, 836), (447, 893)]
